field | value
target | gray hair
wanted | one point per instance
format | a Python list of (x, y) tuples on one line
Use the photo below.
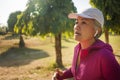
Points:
[(98, 25)]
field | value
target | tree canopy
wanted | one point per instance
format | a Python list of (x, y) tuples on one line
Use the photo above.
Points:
[(49, 16), (111, 11), (12, 20)]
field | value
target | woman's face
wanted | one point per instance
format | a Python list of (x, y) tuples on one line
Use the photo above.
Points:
[(84, 29)]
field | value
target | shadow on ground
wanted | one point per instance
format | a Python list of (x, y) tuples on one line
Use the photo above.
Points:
[(14, 56)]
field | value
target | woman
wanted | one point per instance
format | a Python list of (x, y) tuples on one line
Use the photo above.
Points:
[(93, 59)]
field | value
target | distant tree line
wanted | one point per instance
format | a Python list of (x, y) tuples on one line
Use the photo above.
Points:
[(3, 30)]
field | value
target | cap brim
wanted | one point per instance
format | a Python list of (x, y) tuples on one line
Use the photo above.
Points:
[(75, 16)]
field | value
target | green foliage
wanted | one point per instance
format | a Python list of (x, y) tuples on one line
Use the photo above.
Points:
[(49, 16), (21, 25), (12, 20), (111, 11)]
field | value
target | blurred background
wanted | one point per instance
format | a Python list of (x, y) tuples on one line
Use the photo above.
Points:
[(36, 36)]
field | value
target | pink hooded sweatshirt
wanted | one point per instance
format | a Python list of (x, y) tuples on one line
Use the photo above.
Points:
[(96, 63)]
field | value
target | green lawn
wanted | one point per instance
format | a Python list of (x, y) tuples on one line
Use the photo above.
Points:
[(37, 60)]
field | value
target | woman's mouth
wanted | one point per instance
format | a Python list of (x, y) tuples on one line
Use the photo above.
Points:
[(77, 33)]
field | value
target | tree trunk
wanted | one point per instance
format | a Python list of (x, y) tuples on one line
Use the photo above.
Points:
[(21, 42), (58, 50), (106, 35)]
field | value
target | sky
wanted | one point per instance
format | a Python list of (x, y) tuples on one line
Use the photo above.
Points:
[(81, 5), (9, 6)]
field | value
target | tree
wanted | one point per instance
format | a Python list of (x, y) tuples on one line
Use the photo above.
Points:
[(12, 20), (12, 24), (22, 28), (111, 12), (50, 16)]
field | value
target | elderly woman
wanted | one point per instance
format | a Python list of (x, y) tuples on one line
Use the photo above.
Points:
[(93, 59)]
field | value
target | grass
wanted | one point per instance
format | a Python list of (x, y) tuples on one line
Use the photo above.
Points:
[(37, 60)]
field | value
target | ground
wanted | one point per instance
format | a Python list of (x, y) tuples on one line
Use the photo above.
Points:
[(34, 62)]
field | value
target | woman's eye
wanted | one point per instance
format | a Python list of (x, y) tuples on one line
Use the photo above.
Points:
[(83, 22), (76, 22)]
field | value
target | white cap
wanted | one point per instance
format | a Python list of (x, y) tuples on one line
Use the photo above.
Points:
[(91, 13)]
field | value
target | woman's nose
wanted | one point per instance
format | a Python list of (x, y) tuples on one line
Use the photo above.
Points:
[(76, 27)]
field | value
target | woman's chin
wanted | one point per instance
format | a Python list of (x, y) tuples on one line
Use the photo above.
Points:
[(77, 38)]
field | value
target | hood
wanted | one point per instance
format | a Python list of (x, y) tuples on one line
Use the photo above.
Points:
[(96, 46), (100, 44)]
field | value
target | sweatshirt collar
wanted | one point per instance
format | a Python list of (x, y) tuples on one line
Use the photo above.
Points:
[(98, 44)]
